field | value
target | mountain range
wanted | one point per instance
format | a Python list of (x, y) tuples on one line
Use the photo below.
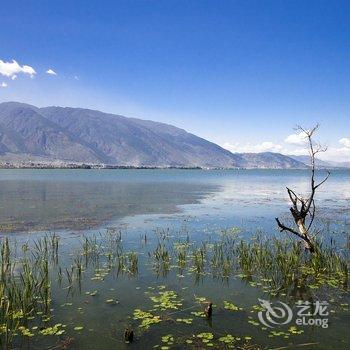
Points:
[(321, 163), (77, 135)]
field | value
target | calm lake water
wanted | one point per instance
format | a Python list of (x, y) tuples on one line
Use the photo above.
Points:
[(146, 206), (41, 200)]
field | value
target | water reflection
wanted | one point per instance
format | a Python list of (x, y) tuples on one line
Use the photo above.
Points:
[(48, 205), (80, 199)]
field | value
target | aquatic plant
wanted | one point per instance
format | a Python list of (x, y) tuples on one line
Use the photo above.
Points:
[(284, 266), (25, 287), (31, 272), (162, 259), (147, 319), (133, 263), (166, 300)]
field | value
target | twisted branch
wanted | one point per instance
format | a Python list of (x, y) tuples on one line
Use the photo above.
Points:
[(302, 208)]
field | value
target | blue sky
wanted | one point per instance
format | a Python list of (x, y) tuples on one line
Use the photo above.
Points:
[(239, 73)]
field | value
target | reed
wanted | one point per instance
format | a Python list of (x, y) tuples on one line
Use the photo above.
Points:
[(28, 271)]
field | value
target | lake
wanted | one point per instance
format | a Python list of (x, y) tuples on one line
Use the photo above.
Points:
[(152, 218)]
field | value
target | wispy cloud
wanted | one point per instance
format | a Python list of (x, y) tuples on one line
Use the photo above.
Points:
[(337, 154), (266, 146), (3, 85), (51, 72), (296, 139), (11, 69), (345, 142), (340, 154)]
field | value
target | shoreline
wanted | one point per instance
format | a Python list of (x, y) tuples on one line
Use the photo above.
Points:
[(59, 165), (91, 166), (131, 167)]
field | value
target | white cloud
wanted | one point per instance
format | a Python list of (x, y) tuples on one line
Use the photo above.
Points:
[(335, 154), (338, 154), (76, 77), (3, 85), (296, 151), (51, 72), (345, 142), (296, 139), (11, 69), (266, 146), (14, 77)]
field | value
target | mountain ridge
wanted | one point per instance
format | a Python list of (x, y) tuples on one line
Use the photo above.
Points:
[(321, 163), (67, 134)]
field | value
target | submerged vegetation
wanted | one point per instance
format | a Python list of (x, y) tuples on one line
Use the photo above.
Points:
[(37, 275)]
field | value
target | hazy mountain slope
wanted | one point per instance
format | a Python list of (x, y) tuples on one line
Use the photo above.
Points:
[(306, 160), (83, 135), (24, 130), (130, 141), (321, 163), (269, 160), (343, 164)]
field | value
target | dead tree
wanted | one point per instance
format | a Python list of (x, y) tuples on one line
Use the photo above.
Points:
[(303, 209)]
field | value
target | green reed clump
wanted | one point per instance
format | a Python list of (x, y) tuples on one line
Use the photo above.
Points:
[(286, 266), (182, 252), (133, 263), (91, 246), (222, 255), (25, 286), (199, 259), (278, 265), (162, 258), (27, 272)]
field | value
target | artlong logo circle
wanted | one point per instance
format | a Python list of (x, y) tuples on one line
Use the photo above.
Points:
[(274, 315)]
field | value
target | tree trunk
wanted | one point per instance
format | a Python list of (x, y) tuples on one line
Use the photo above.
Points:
[(305, 234)]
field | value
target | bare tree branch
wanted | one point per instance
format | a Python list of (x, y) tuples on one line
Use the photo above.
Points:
[(286, 228), (324, 180), (303, 208), (312, 215)]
